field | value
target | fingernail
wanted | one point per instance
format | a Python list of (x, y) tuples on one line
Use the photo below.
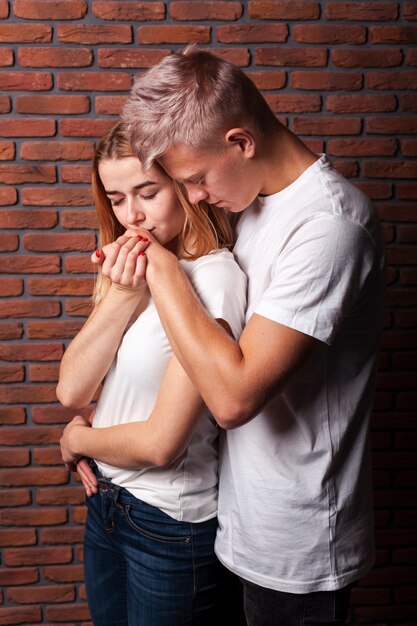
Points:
[(141, 253), (98, 253), (145, 239), (140, 237)]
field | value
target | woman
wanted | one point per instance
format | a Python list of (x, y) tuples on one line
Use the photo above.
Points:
[(149, 538)]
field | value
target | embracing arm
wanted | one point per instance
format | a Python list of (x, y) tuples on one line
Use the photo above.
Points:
[(158, 441), (235, 378)]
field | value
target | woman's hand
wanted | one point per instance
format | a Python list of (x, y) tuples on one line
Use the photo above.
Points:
[(123, 260)]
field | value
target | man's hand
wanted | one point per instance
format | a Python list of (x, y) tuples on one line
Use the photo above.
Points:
[(87, 476), (68, 440)]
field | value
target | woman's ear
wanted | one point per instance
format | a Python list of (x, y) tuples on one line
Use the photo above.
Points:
[(242, 138)]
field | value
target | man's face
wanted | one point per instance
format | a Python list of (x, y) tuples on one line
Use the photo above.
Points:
[(223, 178)]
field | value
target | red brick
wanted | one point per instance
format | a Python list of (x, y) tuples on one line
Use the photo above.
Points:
[(30, 308), (66, 286), (27, 128), (5, 104), (32, 477), (64, 612), (348, 169), (57, 496), (43, 373), (63, 196), (35, 351), (65, 329), (15, 497), (8, 195), (82, 127), (249, 33), (94, 81), (94, 34), (79, 514), (78, 307), (390, 169), (283, 10), (362, 147), (57, 150), (69, 573), (11, 330), (78, 265), (17, 174), (21, 576), (55, 57), (14, 458), (410, 10), (28, 81), (327, 81), (59, 242), (25, 33), (238, 56), (268, 79), (294, 103), (62, 10), (13, 415), (412, 57), (47, 456), (129, 11), (21, 537), (205, 10), (388, 57), (37, 556), (391, 80), (7, 150), (393, 34), (329, 34), (130, 57), (30, 264), (6, 57), (327, 125), (64, 535), (9, 243), (361, 103), (36, 595), (4, 9), (11, 373), (393, 125), (62, 105), (375, 191), (295, 57), (83, 219), (397, 213), (368, 11), (409, 147), (173, 34), (407, 191), (20, 615), (27, 436), (76, 173), (109, 105), (11, 287)]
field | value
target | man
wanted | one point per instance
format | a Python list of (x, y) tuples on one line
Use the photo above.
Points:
[(295, 393)]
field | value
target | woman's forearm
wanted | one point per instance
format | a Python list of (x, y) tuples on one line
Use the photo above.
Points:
[(89, 356)]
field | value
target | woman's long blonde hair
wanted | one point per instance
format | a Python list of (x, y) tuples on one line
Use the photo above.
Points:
[(206, 228)]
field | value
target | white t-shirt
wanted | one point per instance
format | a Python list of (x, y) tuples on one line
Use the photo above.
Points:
[(187, 489), (295, 501)]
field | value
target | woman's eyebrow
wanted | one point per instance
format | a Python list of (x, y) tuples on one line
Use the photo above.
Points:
[(146, 183)]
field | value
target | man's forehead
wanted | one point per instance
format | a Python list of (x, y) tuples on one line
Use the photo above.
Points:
[(183, 162)]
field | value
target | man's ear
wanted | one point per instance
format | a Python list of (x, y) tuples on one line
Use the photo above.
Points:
[(243, 138)]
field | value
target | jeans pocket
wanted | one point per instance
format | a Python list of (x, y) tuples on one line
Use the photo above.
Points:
[(157, 528)]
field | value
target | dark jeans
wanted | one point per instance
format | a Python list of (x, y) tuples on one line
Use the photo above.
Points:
[(265, 607), (143, 568)]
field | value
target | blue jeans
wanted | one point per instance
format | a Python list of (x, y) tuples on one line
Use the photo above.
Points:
[(266, 607), (144, 568)]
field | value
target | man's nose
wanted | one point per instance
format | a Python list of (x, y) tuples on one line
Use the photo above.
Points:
[(195, 193)]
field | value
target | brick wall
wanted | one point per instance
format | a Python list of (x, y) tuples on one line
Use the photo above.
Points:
[(341, 75)]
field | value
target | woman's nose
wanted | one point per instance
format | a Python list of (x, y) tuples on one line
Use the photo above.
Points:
[(135, 213)]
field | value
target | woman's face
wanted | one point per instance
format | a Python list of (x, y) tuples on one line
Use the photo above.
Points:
[(145, 200)]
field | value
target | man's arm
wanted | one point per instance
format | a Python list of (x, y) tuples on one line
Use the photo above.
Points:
[(235, 379)]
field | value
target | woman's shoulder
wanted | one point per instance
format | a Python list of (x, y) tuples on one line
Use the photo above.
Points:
[(220, 265)]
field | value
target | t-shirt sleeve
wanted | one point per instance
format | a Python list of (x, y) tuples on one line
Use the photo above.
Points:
[(221, 286), (318, 277)]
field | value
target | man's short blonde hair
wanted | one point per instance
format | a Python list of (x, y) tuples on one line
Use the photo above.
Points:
[(191, 97)]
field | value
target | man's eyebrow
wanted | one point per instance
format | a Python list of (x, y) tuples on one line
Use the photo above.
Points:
[(146, 183)]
